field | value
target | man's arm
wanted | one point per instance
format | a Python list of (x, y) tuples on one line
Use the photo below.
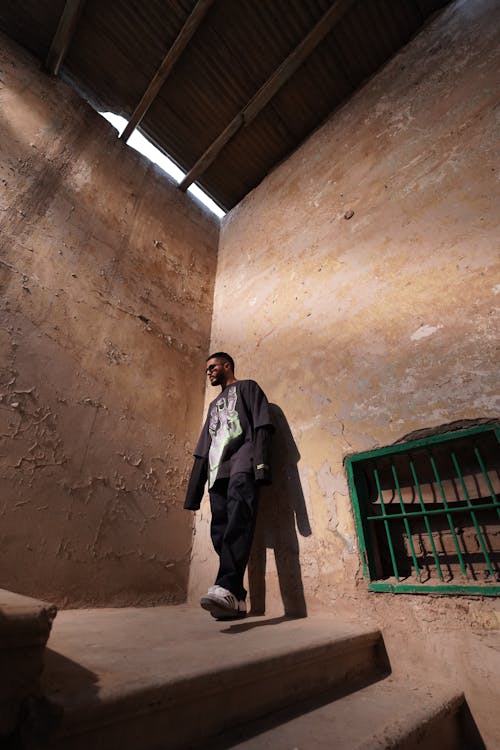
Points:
[(258, 406), (262, 455), (196, 484)]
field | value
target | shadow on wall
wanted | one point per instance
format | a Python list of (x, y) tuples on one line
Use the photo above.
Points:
[(282, 511)]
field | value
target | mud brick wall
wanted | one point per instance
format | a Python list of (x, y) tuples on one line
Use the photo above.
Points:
[(106, 279), (359, 283)]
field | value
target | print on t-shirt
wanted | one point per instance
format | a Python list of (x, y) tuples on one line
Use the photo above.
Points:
[(227, 437), (224, 425)]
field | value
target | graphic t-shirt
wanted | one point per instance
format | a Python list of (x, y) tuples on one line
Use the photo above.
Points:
[(227, 437)]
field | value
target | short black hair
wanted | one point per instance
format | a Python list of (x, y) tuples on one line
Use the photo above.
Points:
[(224, 357)]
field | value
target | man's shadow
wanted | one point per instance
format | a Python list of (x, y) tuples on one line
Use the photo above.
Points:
[(282, 511)]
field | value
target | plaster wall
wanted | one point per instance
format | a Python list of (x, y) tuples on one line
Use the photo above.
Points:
[(106, 276), (359, 284), (364, 329)]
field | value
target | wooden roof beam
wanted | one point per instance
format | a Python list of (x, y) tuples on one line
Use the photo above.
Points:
[(186, 33), (269, 88), (63, 36)]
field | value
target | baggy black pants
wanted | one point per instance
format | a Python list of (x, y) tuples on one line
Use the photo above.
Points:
[(233, 503)]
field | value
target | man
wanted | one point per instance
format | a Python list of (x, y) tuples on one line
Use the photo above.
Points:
[(233, 454)]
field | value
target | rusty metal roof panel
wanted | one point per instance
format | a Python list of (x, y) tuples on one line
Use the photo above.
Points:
[(222, 72), (31, 24), (119, 45), (247, 158), (370, 37)]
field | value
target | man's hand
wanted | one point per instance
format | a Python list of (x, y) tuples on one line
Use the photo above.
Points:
[(196, 485)]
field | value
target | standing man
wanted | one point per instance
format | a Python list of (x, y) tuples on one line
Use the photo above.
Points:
[(233, 454)]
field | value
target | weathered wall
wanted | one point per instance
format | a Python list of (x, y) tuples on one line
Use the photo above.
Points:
[(106, 274), (364, 329)]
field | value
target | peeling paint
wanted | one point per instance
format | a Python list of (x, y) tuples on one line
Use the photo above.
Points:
[(104, 325), (425, 330)]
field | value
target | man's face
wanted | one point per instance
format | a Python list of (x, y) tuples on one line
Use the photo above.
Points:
[(216, 371)]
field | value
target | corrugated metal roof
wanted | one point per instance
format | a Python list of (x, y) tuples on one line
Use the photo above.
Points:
[(119, 45)]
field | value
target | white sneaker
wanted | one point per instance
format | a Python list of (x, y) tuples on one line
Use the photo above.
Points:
[(232, 615), (222, 604)]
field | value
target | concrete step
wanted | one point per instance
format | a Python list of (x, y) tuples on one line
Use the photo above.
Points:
[(145, 679), (389, 714), (25, 625)]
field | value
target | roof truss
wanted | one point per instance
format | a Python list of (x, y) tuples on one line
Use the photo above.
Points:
[(194, 20), (63, 36), (273, 84)]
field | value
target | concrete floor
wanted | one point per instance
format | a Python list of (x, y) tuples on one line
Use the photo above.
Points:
[(173, 678), (95, 653), (117, 674), (386, 714)]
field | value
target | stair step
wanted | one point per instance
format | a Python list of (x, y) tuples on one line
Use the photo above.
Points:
[(387, 714), (164, 677), (25, 625)]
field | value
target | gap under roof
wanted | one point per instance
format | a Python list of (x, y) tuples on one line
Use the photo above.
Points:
[(143, 145)]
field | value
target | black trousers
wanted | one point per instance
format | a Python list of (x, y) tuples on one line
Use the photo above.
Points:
[(233, 503)]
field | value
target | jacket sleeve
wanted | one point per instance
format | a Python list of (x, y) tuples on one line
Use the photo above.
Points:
[(196, 484), (262, 455)]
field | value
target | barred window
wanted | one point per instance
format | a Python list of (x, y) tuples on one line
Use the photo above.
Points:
[(428, 513)]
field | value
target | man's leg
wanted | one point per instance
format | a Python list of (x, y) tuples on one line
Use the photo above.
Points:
[(218, 508), (234, 546)]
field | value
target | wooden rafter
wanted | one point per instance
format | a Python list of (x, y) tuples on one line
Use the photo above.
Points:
[(269, 88), (194, 20), (63, 36)]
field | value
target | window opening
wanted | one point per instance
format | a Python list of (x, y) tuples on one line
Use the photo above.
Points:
[(428, 513), (140, 143)]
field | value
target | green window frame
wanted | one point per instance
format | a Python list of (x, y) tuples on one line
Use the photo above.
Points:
[(427, 513)]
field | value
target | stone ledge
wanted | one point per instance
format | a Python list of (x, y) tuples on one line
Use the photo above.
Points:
[(25, 626), (24, 621)]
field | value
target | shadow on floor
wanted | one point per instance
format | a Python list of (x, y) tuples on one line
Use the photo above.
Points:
[(241, 627), (469, 731), (41, 714), (64, 676), (372, 673)]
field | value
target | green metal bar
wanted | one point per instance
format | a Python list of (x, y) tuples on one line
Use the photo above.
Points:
[(386, 524), (361, 507), (450, 589), (448, 516), (441, 511), (405, 521), (485, 474), (426, 521), (472, 513), (424, 442), (358, 518)]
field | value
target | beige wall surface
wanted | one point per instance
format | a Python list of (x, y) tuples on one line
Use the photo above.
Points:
[(360, 285), (364, 329), (106, 276)]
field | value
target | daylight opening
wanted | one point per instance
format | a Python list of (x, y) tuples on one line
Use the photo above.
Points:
[(140, 143)]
